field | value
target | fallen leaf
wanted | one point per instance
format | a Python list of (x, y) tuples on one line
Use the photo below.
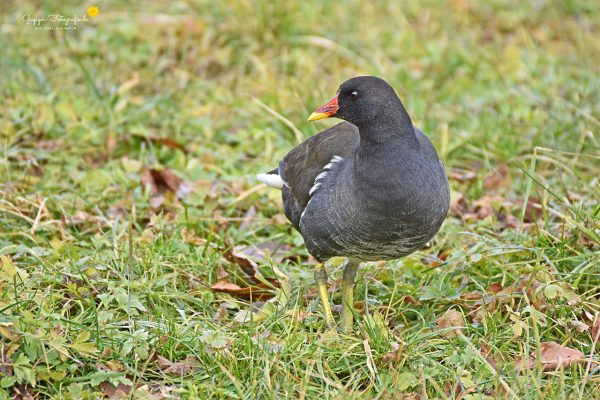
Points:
[(190, 236), (553, 356), (21, 392), (495, 287), (247, 265), (275, 250), (82, 217), (165, 180), (222, 312), (451, 319), (168, 142), (411, 300), (499, 179), (113, 392), (508, 220), (458, 205), (260, 291), (461, 175), (579, 326), (483, 207), (177, 368)]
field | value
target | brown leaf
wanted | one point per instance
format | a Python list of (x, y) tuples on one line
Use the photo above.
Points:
[(21, 392), (222, 312), (483, 207), (260, 291), (579, 326), (508, 220), (495, 287), (7, 330), (461, 175), (6, 362), (118, 392), (190, 236), (165, 180), (277, 250), (411, 300), (177, 368), (82, 217), (497, 180), (451, 319), (247, 265), (163, 141), (458, 205), (553, 356)]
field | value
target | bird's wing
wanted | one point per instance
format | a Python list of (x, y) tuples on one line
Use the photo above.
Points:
[(301, 166)]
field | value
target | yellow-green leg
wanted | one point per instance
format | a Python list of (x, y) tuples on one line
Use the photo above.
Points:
[(321, 280), (348, 294)]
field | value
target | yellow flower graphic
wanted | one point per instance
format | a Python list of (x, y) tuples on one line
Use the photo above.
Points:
[(93, 11)]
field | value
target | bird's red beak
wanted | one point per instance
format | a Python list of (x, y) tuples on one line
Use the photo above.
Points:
[(327, 110)]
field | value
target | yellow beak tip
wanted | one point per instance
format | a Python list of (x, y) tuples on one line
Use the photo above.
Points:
[(316, 116)]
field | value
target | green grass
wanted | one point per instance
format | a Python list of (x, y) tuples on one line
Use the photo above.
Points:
[(106, 279)]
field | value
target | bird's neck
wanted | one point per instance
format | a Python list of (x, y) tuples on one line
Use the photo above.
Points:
[(390, 127)]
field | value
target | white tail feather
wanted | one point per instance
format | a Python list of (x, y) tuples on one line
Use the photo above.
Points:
[(272, 180)]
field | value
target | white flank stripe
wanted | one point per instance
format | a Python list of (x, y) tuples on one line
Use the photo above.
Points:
[(320, 176), (312, 189)]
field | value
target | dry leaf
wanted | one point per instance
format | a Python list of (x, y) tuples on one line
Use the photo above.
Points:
[(222, 312), (458, 205), (508, 220), (189, 236), (118, 392), (495, 287), (21, 392), (260, 291), (168, 142), (451, 319), (277, 250), (483, 208), (553, 356), (177, 368), (498, 180), (461, 176), (165, 180), (7, 330), (247, 265)]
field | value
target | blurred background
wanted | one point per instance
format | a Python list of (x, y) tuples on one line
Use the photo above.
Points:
[(129, 206)]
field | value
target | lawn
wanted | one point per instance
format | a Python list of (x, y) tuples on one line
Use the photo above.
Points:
[(140, 257)]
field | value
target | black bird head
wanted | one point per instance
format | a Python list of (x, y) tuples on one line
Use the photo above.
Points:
[(365, 101)]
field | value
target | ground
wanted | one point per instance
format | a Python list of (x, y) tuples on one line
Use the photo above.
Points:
[(140, 257)]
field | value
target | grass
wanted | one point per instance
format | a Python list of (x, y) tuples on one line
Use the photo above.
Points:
[(101, 277)]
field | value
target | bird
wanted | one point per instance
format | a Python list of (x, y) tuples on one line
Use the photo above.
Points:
[(371, 188)]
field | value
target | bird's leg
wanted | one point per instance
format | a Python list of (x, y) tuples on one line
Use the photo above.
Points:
[(321, 280), (348, 294)]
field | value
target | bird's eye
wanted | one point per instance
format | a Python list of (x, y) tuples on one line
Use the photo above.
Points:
[(354, 95)]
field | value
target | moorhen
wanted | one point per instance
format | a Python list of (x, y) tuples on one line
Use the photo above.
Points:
[(372, 188)]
